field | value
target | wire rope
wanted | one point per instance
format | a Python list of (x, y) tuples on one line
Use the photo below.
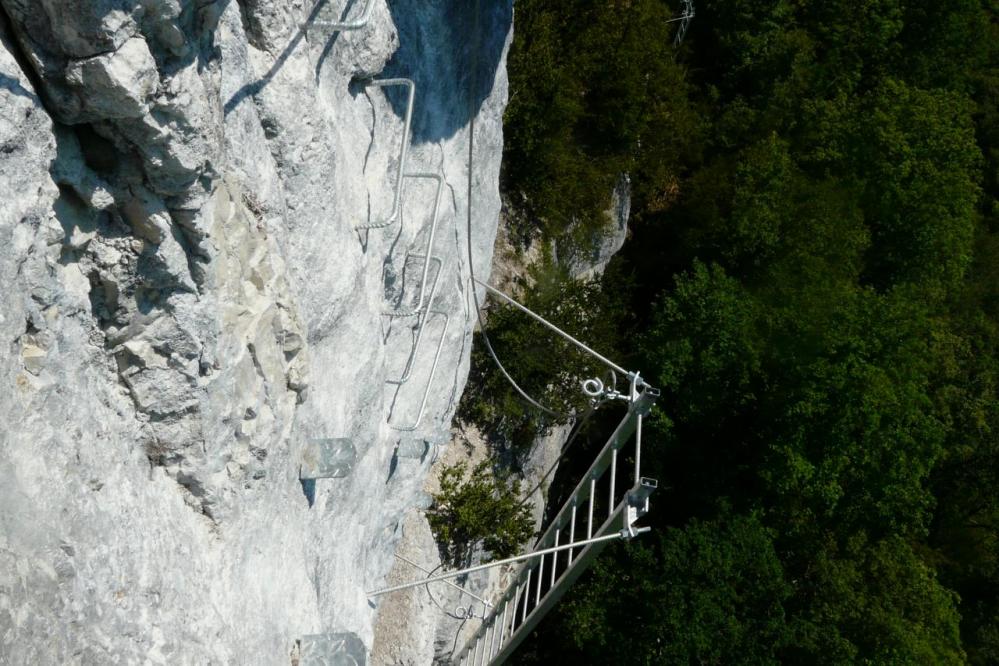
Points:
[(473, 84)]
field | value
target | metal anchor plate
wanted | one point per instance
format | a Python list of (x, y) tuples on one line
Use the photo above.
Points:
[(344, 649), (327, 459)]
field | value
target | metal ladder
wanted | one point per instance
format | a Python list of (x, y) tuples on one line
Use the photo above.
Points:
[(598, 508)]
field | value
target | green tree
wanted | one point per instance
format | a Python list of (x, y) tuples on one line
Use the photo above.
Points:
[(593, 95), (709, 593), (817, 299), (482, 509)]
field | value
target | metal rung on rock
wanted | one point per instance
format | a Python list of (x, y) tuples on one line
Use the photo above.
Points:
[(403, 148), (430, 380), (327, 459), (353, 24), (342, 649)]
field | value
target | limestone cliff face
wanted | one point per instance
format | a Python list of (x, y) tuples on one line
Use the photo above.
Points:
[(187, 299)]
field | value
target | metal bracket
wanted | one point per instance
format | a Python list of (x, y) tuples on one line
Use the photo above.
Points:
[(415, 449), (638, 500), (403, 149)]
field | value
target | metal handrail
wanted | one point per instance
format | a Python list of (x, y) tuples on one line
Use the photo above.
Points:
[(356, 24), (446, 582), (533, 555), (600, 357), (403, 149)]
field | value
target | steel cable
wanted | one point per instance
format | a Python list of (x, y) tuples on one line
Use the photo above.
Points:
[(473, 83)]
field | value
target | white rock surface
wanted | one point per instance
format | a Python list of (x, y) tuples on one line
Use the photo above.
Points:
[(187, 302), (605, 245)]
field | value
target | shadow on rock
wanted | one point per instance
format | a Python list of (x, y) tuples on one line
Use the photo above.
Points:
[(440, 51), (254, 87)]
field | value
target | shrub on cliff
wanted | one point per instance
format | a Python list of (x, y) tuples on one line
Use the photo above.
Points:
[(483, 508)]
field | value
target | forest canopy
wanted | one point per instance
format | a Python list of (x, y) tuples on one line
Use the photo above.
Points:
[(812, 279)]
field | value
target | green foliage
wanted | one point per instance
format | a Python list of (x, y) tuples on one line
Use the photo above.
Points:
[(708, 593), (482, 509), (593, 94), (816, 291), (919, 159), (875, 602)]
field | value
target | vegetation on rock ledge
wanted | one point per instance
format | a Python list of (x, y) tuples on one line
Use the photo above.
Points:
[(482, 510)]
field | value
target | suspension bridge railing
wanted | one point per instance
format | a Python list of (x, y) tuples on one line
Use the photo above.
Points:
[(603, 507)]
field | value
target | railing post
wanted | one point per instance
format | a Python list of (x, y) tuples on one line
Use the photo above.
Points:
[(513, 615), (589, 518), (492, 642), (527, 593), (613, 482), (541, 580), (572, 529), (555, 558), (638, 448)]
